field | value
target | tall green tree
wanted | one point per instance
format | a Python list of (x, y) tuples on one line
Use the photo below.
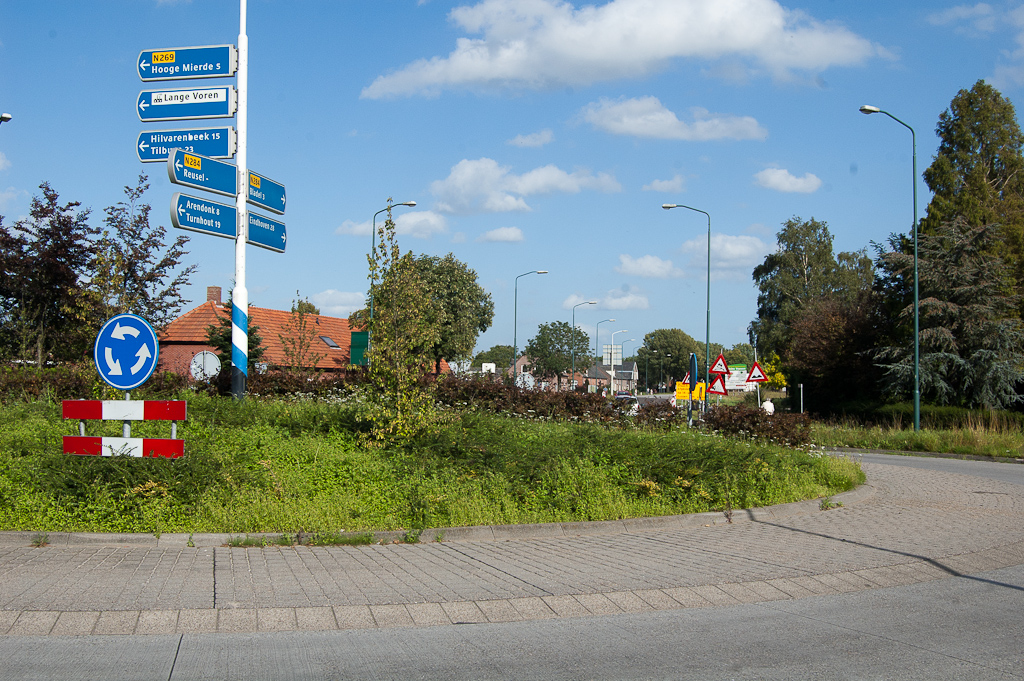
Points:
[(666, 353), (44, 269), (972, 343), (551, 350), (299, 340), (500, 355)]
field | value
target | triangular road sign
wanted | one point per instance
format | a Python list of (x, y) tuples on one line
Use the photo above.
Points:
[(720, 367), (686, 378), (718, 386), (756, 374)]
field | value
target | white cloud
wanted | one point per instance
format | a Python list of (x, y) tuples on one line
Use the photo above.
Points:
[(782, 180), (673, 186), (502, 235), (626, 298), (10, 195), (339, 303), (419, 224), (732, 257), (648, 117), (647, 266), (4, 162), (483, 185), (551, 43), (981, 18), (354, 228), (536, 139)]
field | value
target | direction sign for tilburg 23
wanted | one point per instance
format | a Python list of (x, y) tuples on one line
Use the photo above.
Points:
[(126, 351), (156, 145)]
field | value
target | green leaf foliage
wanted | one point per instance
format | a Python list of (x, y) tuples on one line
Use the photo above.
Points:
[(551, 350)]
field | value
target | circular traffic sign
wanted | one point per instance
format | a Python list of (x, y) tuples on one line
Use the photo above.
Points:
[(126, 351), (204, 366)]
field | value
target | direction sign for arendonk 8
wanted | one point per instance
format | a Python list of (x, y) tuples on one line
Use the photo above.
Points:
[(200, 172), (175, 63), (180, 105), (200, 215), (156, 145)]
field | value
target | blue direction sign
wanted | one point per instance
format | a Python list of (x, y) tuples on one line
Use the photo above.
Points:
[(179, 105), (126, 351), (266, 233), (266, 193), (200, 215), (200, 172), (156, 145), (175, 63)]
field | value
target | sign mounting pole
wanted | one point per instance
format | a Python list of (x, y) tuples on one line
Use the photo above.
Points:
[(240, 296)]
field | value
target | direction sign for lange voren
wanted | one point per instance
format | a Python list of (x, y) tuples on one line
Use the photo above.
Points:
[(266, 193), (266, 233), (126, 351), (200, 172), (156, 145), (200, 215), (175, 63), (179, 105)]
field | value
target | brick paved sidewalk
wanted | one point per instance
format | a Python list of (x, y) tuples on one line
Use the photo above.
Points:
[(905, 526)]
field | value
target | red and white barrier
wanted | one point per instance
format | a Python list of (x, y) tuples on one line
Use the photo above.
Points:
[(123, 446), (124, 410)]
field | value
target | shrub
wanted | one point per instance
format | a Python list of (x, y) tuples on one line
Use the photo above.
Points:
[(743, 421)]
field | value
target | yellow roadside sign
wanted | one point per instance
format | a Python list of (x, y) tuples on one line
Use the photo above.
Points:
[(683, 391)]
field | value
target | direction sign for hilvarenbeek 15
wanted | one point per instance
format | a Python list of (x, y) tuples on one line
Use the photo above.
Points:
[(126, 351), (200, 215), (175, 63), (179, 105), (266, 193), (266, 233), (200, 172), (156, 145)]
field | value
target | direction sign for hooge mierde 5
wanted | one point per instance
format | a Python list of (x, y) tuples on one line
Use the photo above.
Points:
[(174, 63), (200, 172), (156, 145), (126, 351), (179, 105), (266, 233), (266, 193)]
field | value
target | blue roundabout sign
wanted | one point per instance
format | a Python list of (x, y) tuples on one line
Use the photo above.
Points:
[(126, 351)]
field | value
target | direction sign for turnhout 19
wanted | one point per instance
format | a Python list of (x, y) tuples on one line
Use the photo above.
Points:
[(200, 215), (126, 351), (200, 172), (266, 193), (175, 63), (180, 105), (266, 233), (156, 145)]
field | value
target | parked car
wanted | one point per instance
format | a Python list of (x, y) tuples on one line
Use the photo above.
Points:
[(627, 404)]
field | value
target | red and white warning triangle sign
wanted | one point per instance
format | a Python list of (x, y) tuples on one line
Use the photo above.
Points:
[(756, 374), (718, 386), (720, 367)]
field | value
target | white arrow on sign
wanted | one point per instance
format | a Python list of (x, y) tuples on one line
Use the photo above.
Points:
[(120, 331), (143, 355), (113, 365), (177, 165), (143, 106), (142, 146), (144, 64)]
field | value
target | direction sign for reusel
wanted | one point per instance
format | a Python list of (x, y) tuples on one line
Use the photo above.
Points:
[(126, 351), (200, 215), (266, 193), (178, 105), (156, 145), (266, 233), (200, 172), (175, 63)]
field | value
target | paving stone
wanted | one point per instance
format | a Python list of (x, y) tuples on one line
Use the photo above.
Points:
[(315, 619), (627, 601), (117, 622), (658, 599), (465, 612), (714, 595), (598, 604), (353, 617), (499, 611), (236, 620), (427, 614), (33, 623), (686, 597), (75, 623), (197, 621), (276, 619), (532, 608), (391, 616), (7, 619), (565, 606), (157, 622)]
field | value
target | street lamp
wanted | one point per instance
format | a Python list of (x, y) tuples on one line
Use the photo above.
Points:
[(611, 375), (515, 322), (647, 369), (4, 117), (597, 337), (572, 338), (867, 109), (707, 326), (373, 256), (663, 366), (628, 340)]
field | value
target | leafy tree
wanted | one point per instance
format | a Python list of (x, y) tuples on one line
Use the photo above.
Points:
[(134, 269), (802, 270), (466, 308), (972, 344), (740, 353), (551, 350), (500, 355), (300, 336), (303, 306), (219, 337), (45, 263), (666, 352)]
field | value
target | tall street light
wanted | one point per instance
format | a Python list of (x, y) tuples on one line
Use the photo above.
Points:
[(597, 337), (628, 340), (572, 338), (4, 117), (647, 369), (868, 109), (373, 256), (515, 323), (612, 374), (707, 326)]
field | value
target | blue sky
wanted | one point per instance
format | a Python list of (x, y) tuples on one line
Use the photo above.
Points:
[(533, 134)]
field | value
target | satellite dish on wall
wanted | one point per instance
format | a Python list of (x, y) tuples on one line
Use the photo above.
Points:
[(204, 366)]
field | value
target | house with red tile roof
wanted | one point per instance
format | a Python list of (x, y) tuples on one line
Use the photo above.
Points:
[(185, 337)]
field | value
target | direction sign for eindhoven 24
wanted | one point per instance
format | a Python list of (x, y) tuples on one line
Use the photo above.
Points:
[(200, 215), (179, 105), (175, 63), (156, 145), (266, 233), (200, 172), (126, 351), (266, 193)]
